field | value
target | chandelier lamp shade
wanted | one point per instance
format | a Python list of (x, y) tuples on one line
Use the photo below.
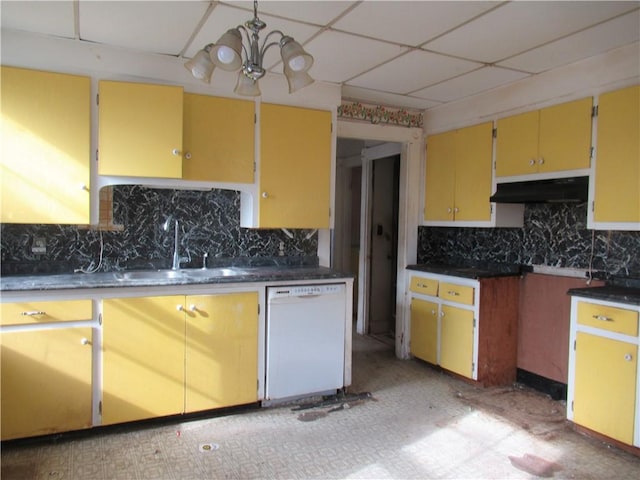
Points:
[(239, 49)]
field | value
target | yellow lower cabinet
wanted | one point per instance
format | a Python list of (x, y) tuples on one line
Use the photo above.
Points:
[(221, 351), (604, 388), (424, 330), (456, 340), (46, 381), (143, 358)]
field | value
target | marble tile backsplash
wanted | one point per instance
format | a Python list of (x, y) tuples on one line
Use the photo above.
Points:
[(209, 222), (553, 234)]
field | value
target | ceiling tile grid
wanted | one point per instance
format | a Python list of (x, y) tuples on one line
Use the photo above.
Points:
[(411, 54)]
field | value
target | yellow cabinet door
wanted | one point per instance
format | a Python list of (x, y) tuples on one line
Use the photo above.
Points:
[(517, 144), (605, 386), (221, 351), (295, 167), (424, 330), (143, 358), (474, 148), (565, 136), (45, 147), (456, 340), (140, 130), (46, 381), (218, 139), (617, 170), (440, 177)]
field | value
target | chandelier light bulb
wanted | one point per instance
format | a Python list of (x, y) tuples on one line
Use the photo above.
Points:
[(225, 54), (297, 63)]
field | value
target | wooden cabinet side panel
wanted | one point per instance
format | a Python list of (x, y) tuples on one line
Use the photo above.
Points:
[(46, 381), (497, 341), (45, 153), (543, 326)]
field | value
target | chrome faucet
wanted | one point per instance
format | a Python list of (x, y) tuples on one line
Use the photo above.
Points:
[(177, 259)]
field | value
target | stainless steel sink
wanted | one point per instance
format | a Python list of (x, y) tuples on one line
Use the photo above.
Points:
[(149, 275), (195, 273), (211, 272)]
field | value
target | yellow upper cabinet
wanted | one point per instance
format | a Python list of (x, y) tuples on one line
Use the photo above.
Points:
[(458, 175), (140, 130), (45, 147), (295, 167), (440, 176), (473, 173), (218, 139), (617, 169), (553, 139)]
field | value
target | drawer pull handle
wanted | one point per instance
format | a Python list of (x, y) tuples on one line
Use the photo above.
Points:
[(602, 318), (628, 357), (422, 285), (33, 313), (193, 308), (85, 341), (453, 292)]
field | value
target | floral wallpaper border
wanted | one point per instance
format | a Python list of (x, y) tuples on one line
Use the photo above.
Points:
[(378, 114)]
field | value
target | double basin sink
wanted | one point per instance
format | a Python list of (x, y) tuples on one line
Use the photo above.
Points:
[(186, 273)]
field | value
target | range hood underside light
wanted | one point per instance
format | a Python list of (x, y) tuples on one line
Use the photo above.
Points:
[(558, 190)]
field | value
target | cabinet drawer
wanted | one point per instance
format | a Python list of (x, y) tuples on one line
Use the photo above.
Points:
[(456, 293), (613, 319), (25, 313), (425, 286)]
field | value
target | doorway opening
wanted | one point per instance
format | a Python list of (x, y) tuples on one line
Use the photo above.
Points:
[(366, 231)]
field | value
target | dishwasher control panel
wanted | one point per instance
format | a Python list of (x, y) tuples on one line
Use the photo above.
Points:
[(305, 290)]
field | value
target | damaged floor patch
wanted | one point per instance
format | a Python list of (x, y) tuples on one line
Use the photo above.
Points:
[(535, 465)]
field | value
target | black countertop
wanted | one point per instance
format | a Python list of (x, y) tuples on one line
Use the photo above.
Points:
[(473, 272), (611, 293), (120, 279)]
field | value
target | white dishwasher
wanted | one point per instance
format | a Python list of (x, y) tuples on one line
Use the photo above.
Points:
[(305, 340)]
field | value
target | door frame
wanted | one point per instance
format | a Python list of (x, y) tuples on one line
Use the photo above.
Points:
[(412, 152)]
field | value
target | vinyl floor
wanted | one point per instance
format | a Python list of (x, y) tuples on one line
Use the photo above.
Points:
[(417, 423)]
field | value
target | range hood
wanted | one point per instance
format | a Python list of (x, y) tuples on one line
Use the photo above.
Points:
[(557, 190)]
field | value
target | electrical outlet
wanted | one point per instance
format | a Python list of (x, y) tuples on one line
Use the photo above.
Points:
[(39, 245)]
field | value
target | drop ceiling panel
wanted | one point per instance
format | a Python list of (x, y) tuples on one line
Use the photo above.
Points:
[(614, 33), (518, 26), (375, 97), (48, 18), (409, 23), (159, 27), (413, 71), (338, 56), (470, 83), (316, 12)]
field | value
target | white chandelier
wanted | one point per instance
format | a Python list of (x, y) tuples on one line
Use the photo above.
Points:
[(231, 54)]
